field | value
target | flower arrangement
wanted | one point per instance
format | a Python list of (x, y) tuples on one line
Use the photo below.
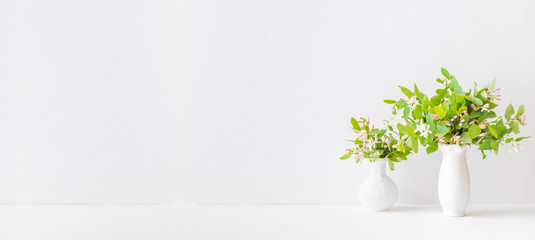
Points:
[(374, 143), (453, 116)]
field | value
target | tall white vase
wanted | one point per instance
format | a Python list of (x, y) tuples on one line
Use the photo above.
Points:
[(453, 180), (378, 192)]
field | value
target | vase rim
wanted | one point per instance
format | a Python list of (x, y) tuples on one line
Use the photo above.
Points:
[(447, 145)]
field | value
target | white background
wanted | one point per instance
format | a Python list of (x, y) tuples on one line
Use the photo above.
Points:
[(241, 102)]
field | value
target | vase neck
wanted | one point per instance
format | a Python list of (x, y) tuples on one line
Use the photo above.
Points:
[(378, 169), (453, 150)]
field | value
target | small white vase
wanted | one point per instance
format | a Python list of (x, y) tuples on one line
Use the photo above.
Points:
[(453, 180), (378, 192)]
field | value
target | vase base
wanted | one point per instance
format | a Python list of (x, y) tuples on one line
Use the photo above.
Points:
[(454, 214)]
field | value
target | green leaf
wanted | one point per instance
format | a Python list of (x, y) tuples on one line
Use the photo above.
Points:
[(417, 112), (475, 114), (495, 147), (473, 131), (477, 101), (442, 128), (484, 156), (445, 73), (429, 118), (509, 112), (515, 126), (492, 130), (413, 143), (355, 124), (457, 89), (440, 112), (435, 100), (521, 138), (484, 116), (433, 147), (389, 101), (402, 129), (461, 109), (501, 129), (406, 91), (401, 148), (391, 165), (345, 157), (493, 83), (465, 138), (509, 140), (485, 145), (406, 112), (520, 111)]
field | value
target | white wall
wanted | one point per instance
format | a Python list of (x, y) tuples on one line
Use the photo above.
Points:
[(240, 101)]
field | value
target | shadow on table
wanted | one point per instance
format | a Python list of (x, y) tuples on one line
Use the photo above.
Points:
[(414, 208), (491, 211)]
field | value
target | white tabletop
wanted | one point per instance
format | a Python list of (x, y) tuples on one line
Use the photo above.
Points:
[(162, 222)]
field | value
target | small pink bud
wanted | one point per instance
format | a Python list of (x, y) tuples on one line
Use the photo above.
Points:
[(483, 126), (465, 112), (483, 134), (435, 117), (366, 123), (372, 127), (447, 123), (498, 89), (472, 122)]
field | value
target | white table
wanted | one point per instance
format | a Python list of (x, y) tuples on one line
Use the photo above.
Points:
[(161, 222)]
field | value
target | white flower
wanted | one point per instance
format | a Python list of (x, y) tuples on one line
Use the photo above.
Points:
[(423, 129), (370, 144), (456, 138), (363, 136), (359, 154), (413, 102), (485, 108), (446, 82), (450, 92)]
